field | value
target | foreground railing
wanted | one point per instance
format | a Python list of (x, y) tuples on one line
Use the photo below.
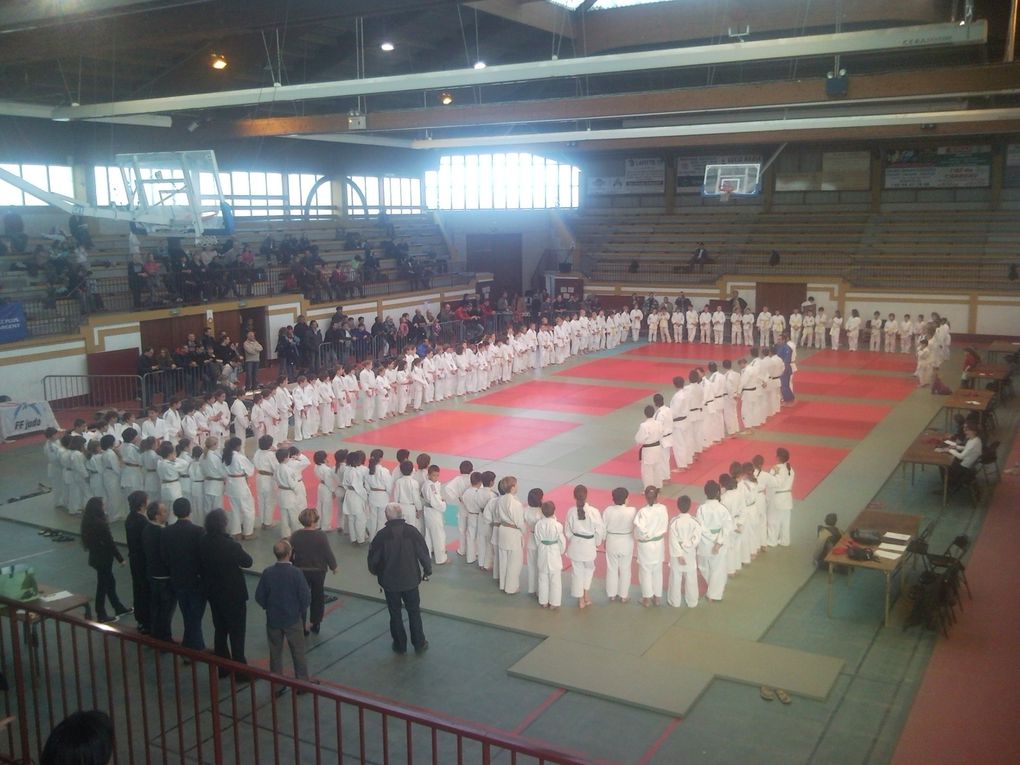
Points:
[(171, 704)]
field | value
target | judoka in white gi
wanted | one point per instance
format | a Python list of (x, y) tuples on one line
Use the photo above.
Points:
[(716, 526), (619, 522), (584, 532), (684, 537), (650, 526), (649, 441), (781, 505), (551, 544)]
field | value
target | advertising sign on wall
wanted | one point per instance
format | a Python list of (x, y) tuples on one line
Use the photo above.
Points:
[(641, 175), (942, 167)]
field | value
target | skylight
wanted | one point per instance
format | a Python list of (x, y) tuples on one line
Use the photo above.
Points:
[(601, 5)]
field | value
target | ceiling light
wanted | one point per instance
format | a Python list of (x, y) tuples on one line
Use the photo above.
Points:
[(479, 65), (218, 61), (445, 98), (387, 46)]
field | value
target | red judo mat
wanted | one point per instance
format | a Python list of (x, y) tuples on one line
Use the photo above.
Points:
[(820, 418), (564, 397), (630, 370), (966, 708), (874, 362), (480, 436), (810, 463), (692, 351), (847, 385)]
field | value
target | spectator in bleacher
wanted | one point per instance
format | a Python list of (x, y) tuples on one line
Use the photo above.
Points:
[(252, 356), (310, 345), (288, 351), (148, 365), (80, 231)]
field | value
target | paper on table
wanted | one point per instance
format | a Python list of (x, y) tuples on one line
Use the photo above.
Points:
[(55, 596), (892, 548), (894, 535), (887, 555)]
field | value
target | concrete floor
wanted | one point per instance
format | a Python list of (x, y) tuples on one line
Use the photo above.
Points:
[(477, 634)]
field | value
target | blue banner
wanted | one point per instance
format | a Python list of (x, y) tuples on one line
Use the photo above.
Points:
[(13, 324)]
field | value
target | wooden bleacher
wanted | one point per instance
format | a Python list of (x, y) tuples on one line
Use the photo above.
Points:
[(109, 256), (958, 249)]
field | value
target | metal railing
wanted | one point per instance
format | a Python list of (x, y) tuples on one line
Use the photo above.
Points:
[(94, 391), (171, 704)]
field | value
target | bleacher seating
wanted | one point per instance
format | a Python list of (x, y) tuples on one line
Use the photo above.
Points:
[(960, 249), (109, 256)]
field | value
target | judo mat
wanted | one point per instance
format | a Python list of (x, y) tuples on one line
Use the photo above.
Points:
[(821, 418), (810, 463), (629, 370), (746, 661), (577, 398), (867, 360), (847, 385), (613, 675), (474, 434), (693, 351)]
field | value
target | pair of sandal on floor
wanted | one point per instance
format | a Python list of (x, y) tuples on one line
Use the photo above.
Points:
[(56, 535), (770, 694)]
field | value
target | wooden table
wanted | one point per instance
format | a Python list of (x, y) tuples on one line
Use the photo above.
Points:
[(993, 349), (898, 523), (922, 452), (967, 400), (997, 372)]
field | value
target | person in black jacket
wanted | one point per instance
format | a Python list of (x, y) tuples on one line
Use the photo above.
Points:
[(399, 559), (161, 596), (221, 561), (134, 525), (96, 538), (179, 548)]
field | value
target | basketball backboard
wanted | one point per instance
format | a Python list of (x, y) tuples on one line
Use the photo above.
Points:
[(724, 181)]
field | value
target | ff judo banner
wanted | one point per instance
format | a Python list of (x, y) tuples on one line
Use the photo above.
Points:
[(943, 167), (641, 175), (13, 323), (19, 418)]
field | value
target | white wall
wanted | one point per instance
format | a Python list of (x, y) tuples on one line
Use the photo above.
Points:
[(22, 381)]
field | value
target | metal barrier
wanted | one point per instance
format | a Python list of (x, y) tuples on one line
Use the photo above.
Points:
[(94, 391), (169, 703)]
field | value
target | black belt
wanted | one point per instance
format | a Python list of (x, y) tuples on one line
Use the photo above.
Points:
[(745, 389), (696, 409), (719, 397), (774, 378), (679, 419), (239, 475), (654, 443)]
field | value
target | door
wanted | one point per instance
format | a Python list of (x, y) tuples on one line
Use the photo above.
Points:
[(170, 333), (780, 296), (499, 254)]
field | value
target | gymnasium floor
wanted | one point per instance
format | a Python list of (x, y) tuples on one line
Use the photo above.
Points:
[(620, 683)]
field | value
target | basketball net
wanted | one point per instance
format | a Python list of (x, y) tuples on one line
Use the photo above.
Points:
[(724, 196)]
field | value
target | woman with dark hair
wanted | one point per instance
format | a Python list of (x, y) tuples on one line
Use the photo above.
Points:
[(313, 555), (96, 538), (781, 505), (585, 532), (239, 469), (82, 738), (220, 561)]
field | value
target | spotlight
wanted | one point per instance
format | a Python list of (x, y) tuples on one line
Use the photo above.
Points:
[(387, 46), (193, 126), (218, 61), (446, 98), (479, 65)]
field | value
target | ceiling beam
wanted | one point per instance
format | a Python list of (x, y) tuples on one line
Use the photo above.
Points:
[(898, 38), (866, 135), (995, 78), (539, 14)]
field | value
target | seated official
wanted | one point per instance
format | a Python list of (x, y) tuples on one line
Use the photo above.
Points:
[(967, 456)]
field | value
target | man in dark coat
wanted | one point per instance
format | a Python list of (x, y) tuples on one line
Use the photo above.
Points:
[(399, 559), (179, 548), (221, 562)]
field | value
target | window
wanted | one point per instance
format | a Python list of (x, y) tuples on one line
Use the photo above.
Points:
[(299, 185), (55, 178), (511, 181), (396, 195)]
